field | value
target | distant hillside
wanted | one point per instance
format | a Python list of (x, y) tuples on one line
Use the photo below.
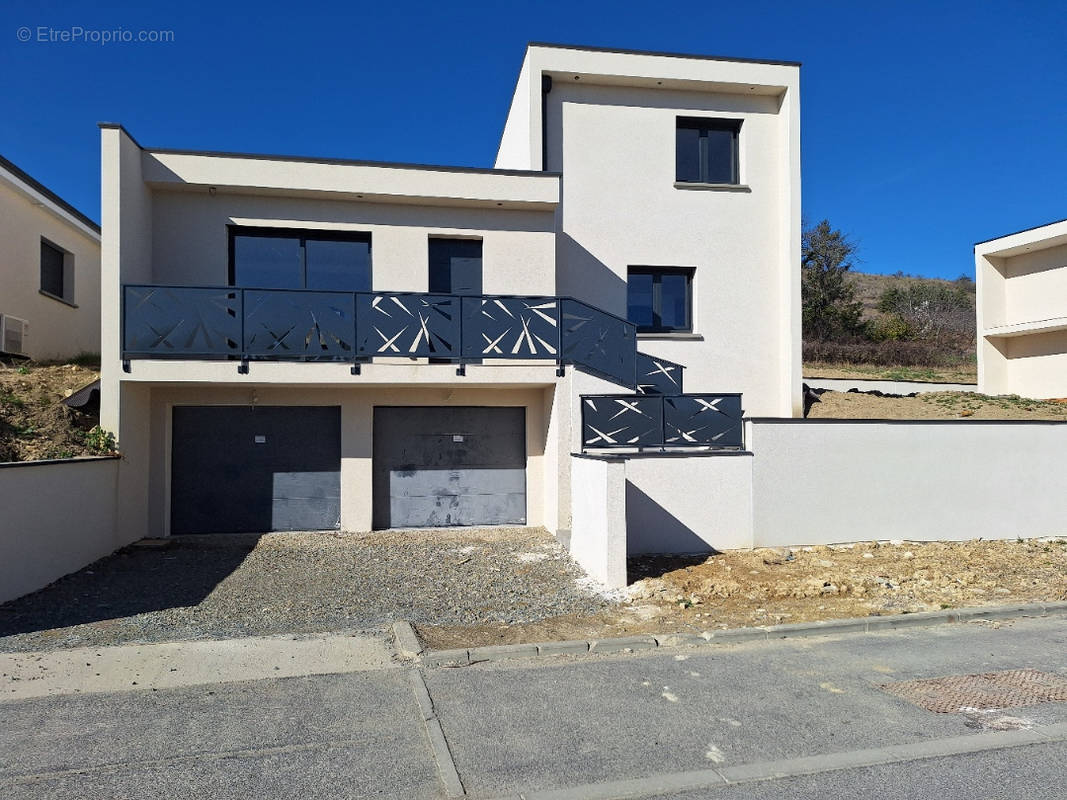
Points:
[(870, 287)]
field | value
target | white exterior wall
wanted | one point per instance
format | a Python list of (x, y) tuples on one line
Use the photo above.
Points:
[(598, 500), (57, 330), (1022, 313), (610, 118), (517, 140), (57, 518), (688, 504), (816, 482), (190, 243)]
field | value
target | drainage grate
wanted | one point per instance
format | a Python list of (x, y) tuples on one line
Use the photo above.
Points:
[(991, 690)]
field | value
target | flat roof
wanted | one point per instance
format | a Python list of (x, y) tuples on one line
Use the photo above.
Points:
[(37, 186), (1024, 230), (342, 161), (697, 56)]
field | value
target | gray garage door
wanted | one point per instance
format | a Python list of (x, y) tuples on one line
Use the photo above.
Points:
[(442, 466), (237, 469)]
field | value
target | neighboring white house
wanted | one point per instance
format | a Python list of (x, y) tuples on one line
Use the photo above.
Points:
[(1022, 312), (298, 343), (49, 272)]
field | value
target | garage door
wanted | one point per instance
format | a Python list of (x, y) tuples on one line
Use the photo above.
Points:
[(443, 466), (237, 469)]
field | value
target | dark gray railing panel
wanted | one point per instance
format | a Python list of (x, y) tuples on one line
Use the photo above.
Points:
[(656, 420), (177, 321), (703, 419), (299, 324), (600, 342), (408, 325), (622, 421), (511, 327), (657, 375)]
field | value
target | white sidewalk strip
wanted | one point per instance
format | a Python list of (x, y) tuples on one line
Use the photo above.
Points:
[(85, 670)]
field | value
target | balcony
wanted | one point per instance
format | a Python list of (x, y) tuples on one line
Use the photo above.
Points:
[(245, 324)]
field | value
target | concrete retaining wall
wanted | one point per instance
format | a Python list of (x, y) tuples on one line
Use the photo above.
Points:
[(55, 518), (822, 481), (688, 503)]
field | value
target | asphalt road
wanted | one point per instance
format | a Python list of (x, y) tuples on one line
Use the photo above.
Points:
[(664, 724)]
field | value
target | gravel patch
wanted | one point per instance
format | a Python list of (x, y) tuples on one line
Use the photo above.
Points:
[(304, 583)]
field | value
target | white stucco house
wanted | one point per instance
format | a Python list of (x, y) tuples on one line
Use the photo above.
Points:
[(49, 272), (1022, 312), (306, 343)]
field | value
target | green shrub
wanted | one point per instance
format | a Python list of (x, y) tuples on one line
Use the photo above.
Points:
[(890, 328), (100, 441)]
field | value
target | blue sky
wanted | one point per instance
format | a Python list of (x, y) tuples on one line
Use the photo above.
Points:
[(926, 126)]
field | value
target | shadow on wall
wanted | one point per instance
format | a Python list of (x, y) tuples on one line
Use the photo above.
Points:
[(583, 276), (1034, 345), (129, 582), (650, 528)]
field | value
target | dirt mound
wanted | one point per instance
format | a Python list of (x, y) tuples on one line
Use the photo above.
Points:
[(34, 423)]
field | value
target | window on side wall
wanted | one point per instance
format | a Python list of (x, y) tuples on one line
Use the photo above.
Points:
[(706, 151), (280, 258), (660, 299), (57, 272)]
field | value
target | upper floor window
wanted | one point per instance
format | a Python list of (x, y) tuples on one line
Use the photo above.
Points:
[(455, 266), (706, 150), (281, 258), (660, 299), (57, 267)]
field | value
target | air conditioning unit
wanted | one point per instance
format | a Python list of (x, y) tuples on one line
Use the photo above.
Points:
[(13, 332)]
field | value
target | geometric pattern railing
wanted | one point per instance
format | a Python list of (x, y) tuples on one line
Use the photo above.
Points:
[(651, 420), (186, 321), (510, 327), (309, 325), (407, 324), (305, 325), (658, 375), (599, 341)]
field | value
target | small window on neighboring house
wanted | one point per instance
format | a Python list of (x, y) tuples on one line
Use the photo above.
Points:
[(706, 150), (56, 268), (660, 299)]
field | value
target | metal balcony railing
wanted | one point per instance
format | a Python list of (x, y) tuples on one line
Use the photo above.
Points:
[(198, 322), (662, 421)]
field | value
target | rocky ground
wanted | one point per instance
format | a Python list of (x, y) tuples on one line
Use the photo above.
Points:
[(935, 405), (34, 423), (301, 583), (768, 587)]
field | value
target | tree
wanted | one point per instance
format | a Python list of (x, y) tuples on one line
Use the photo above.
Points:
[(938, 312), (831, 310)]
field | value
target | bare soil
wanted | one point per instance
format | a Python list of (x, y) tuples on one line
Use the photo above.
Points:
[(34, 423), (775, 586), (935, 405)]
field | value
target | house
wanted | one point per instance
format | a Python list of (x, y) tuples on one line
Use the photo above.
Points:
[(49, 272), (308, 343), (1022, 316)]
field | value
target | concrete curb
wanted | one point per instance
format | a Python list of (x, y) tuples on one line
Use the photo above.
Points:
[(407, 643), (630, 644)]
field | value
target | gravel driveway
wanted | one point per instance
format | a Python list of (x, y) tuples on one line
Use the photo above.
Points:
[(301, 583)]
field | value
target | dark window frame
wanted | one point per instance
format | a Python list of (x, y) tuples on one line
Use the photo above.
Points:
[(63, 265), (702, 125), (657, 274), (303, 235), (470, 241)]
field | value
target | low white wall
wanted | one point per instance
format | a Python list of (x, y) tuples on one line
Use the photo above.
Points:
[(823, 481), (688, 503), (55, 518), (598, 517), (890, 387)]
